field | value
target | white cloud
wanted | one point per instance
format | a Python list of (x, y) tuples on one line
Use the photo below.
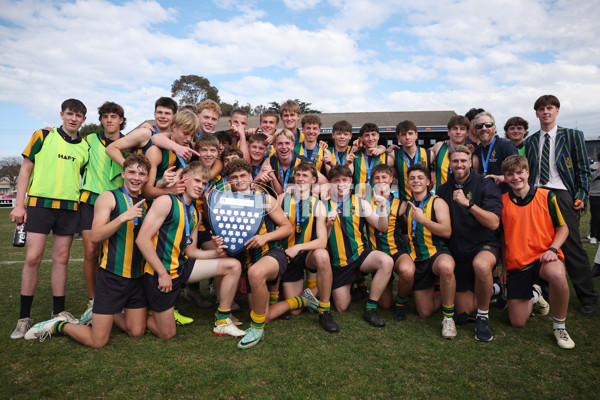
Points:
[(301, 5), (361, 56)]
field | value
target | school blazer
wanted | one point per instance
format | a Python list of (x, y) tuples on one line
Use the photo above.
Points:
[(570, 157)]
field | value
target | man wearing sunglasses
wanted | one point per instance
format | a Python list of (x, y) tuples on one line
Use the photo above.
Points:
[(492, 149)]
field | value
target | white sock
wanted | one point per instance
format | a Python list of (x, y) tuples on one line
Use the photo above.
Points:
[(482, 313), (536, 297), (558, 323), (496, 289)]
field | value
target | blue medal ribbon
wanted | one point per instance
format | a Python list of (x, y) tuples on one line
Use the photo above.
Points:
[(129, 203), (485, 161), (337, 157), (255, 170), (187, 210), (181, 161), (367, 165), (414, 223), (407, 158), (284, 179), (314, 151), (299, 209)]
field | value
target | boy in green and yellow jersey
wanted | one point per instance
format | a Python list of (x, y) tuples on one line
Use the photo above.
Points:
[(100, 174), (52, 202), (458, 127), (278, 170), (263, 256), (515, 130), (428, 220), (391, 240), (290, 114), (119, 286), (408, 155), (167, 237), (306, 248), (368, 154), (141, 139), (341, 152), (348, 245), (311, 127), (165, 163)]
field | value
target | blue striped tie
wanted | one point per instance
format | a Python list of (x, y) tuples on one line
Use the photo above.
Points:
[(545, 161)]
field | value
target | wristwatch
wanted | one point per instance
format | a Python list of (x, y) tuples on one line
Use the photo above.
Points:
[(554, 250), (471, 204)]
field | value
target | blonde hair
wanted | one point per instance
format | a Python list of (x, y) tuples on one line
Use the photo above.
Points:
[(284, 132), (187, 121)]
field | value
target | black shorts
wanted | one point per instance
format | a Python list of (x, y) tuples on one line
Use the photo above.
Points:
[(343, 276), (86, 216), (463, 271), (203, 237), (60, 222), (295, 269), (397, 255), (519, 283), (282, 260), (424, 276), (159, 301), (114, 293)]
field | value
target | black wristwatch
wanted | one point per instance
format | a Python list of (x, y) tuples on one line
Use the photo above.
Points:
[(554, 250), (471, 204)]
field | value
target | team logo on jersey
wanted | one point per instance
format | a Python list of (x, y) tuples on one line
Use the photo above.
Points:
[(235, 216), (569, 162)]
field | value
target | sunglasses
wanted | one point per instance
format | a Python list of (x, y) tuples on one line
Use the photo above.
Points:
[(482, 124)]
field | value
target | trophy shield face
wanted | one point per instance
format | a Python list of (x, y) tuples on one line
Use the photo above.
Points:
[(236, 217)]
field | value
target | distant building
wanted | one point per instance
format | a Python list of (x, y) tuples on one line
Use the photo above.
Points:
[(592, 146), (6, 189)]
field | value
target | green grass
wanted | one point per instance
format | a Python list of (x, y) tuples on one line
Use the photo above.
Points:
[(297, 359)]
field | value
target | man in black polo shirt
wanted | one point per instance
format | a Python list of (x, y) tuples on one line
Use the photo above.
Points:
[(492, 149), (475, 210)]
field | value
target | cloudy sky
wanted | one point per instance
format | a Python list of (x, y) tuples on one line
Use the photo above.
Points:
[(339, 55)]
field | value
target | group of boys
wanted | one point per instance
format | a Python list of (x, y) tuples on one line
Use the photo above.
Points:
[(441, 219)]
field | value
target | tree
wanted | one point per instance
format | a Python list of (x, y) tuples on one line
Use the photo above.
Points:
[(226, 109), (192, 89), (304, 107), (89, 128), (258, 110), (9, 170)]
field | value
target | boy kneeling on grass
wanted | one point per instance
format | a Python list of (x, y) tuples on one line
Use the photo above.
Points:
[(119, 289), (533, 231)]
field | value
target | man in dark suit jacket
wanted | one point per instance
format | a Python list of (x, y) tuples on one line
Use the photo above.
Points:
[(566, 173)]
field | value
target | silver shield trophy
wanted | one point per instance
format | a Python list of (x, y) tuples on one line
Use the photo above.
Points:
[(235, 216)]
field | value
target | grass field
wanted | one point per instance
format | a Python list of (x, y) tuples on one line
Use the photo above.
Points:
[(297, 359)]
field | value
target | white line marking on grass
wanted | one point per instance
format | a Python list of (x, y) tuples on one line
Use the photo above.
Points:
[(44, 261)]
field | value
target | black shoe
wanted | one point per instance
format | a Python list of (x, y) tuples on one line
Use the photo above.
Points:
[(286, 317), (596, 270), (359, 293), (501, 300), (328, 323), (589, 309), (462, 318), (482, 330), (400, 314), (373, 318)]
